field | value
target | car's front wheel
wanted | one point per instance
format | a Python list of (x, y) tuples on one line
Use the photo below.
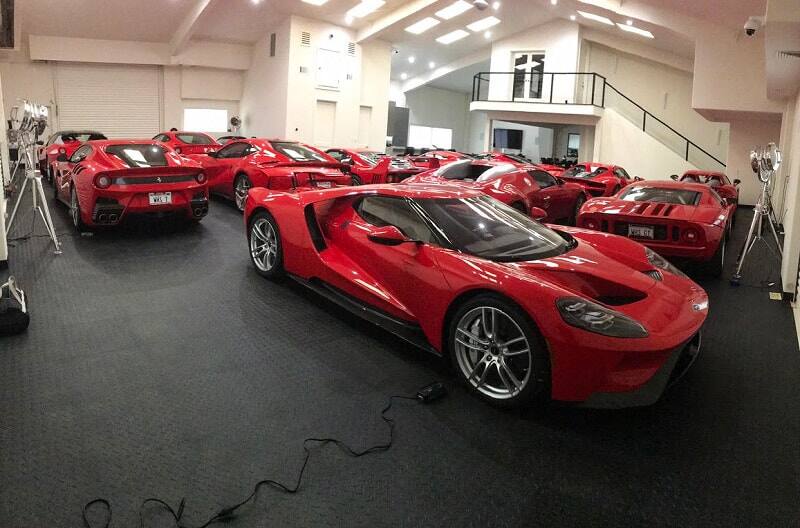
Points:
[(266, 250), (75, 210), (498, 352), (240, 188), (578, 204)]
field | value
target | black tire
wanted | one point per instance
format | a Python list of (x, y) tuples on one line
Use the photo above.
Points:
[(257, 232), (355, 180), (75, 210), (578, 204), (241, 183), (526, 373), (715, 266)]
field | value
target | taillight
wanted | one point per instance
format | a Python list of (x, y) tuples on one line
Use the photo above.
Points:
[(200, 177), (691, 235), (102, 181)]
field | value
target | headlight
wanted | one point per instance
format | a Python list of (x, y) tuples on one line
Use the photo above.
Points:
[(661, 263), (598, 319)]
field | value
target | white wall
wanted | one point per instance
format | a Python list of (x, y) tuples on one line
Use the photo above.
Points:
[(478, 134), (791, 170), (745, 134), (619, 141), (667, 94), (436, 107)]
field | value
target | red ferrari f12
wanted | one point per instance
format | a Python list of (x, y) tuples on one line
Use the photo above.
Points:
[(526, 312)]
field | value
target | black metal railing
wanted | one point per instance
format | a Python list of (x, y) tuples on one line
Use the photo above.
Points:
[(587, 89)]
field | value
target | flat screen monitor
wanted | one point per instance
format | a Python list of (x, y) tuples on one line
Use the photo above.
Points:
[(505, 138)]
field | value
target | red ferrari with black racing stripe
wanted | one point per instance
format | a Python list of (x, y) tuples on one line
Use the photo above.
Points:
[(525, 312), (524, 187), (271, 163), (369, 166), (103, 182), (678, 220), (599, 179)]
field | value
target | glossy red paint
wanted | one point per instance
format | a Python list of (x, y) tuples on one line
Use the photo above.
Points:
[(693, 231), (599, 179), (718, 181), (521, 161), (421, 283), (437, 158), (109, 188), (370, 167), (272, 163), (63, 142), (520, 186), (188, 142)]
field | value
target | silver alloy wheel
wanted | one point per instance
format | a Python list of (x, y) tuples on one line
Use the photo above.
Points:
[(493, 353), (263, 244), (74, 208), (242, 186)]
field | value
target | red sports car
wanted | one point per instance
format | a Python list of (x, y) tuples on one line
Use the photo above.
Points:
[(717, 180), (436, 158), (522, 187), (599, 179), (369, 166), (525, 312), (682, 220), (105, 181), (64, 142), (271, 163), (224, 140), (188, 142), (520, 160)]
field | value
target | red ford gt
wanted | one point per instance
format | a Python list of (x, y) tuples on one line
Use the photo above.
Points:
[(524, 311), (521, 187), (64, 142), (599, 179), (368, 166), (717, 180), (105, 181), (681, 220), (188, 142), (271, 163)]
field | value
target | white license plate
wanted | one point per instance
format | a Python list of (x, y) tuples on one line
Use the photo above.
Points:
[(640, 231), (160, 198), (325, 184)]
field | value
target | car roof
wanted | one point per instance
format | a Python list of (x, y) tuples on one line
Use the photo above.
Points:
[(596, 165), (420, 191), (695, 172), (66, 132), (670, 184), (100, 143)]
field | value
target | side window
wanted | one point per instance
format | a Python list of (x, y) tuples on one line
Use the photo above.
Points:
[(234, 150), (161, 137), (80, 154), (383, 211), (543, 180), (336, 154), (620, 173)]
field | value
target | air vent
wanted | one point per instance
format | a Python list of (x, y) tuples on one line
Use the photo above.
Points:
[(303, 69), (272, 42), (305, 38), (351, 49), (788, 54), (654, 274)]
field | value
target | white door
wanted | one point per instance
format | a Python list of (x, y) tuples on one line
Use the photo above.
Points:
[(119, 101), (364, 125), (324, 124), (528, 76)]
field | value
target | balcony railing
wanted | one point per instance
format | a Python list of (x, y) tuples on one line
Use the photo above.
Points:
[(587, 89)]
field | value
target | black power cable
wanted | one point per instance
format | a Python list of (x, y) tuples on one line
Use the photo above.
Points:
[(426, 394)]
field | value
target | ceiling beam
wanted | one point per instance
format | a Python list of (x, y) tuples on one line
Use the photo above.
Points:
[(398, 15), (187, 27)]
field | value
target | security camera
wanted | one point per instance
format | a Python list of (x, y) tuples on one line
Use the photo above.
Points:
[(480, 5), (752, 25)]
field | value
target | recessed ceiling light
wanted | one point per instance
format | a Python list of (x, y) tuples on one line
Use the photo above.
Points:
[(453, 36), (431, 65), (553, 2), (572, 17), (422, 26), (453, 10), (404, 76), (316, 2), (348, 19), (411, 59), (629, 22), (496, 6), (631, 29), (255, 2), (483, 24), (487, 34), (365, 7), (596, 18)]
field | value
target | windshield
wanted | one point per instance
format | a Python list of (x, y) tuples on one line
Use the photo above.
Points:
[(135, 156), (469, 171), (579, 171), (195, 139), (298, 152), (661, 194), (371, 157), (487, 228), (518, 158)]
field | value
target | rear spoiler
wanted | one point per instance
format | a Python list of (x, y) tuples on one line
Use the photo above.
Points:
[(311, 164), (425, 162), (142, 174)]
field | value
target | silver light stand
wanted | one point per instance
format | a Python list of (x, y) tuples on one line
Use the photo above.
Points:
[(35, 116), (764, 162)]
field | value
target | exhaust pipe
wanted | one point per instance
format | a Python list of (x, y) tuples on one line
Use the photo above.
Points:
[(102, 218), (198, 211), (112, 218)]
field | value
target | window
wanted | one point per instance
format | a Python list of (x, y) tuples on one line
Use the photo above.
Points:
[(620, 173), (161, 137), (298, 152), (468, 171), (195, 139), (430, 137), (573, 144), (205, 120), (383, 211), (233, 150), (80, 154), (543, 179), (338, 155), (135, 156), (660, 194)]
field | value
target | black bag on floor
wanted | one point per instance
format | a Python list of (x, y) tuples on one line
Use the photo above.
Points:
[(14, 317)]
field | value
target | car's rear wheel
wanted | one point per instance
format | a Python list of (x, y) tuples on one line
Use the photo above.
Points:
[(240, 188), (75, 210), (266, 250), (578, 204), (498, 352), (715, 266)]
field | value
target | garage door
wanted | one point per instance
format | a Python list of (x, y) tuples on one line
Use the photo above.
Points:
[(120, 101)]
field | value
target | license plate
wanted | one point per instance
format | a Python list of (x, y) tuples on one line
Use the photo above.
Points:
[(325, 184), (160, 198), (640, 231)]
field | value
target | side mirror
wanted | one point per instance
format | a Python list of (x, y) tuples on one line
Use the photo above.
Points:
[(212, 154), (388, 236), (737, 181), (637, 178), (538, 214), (674, 177), (61, 157)]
